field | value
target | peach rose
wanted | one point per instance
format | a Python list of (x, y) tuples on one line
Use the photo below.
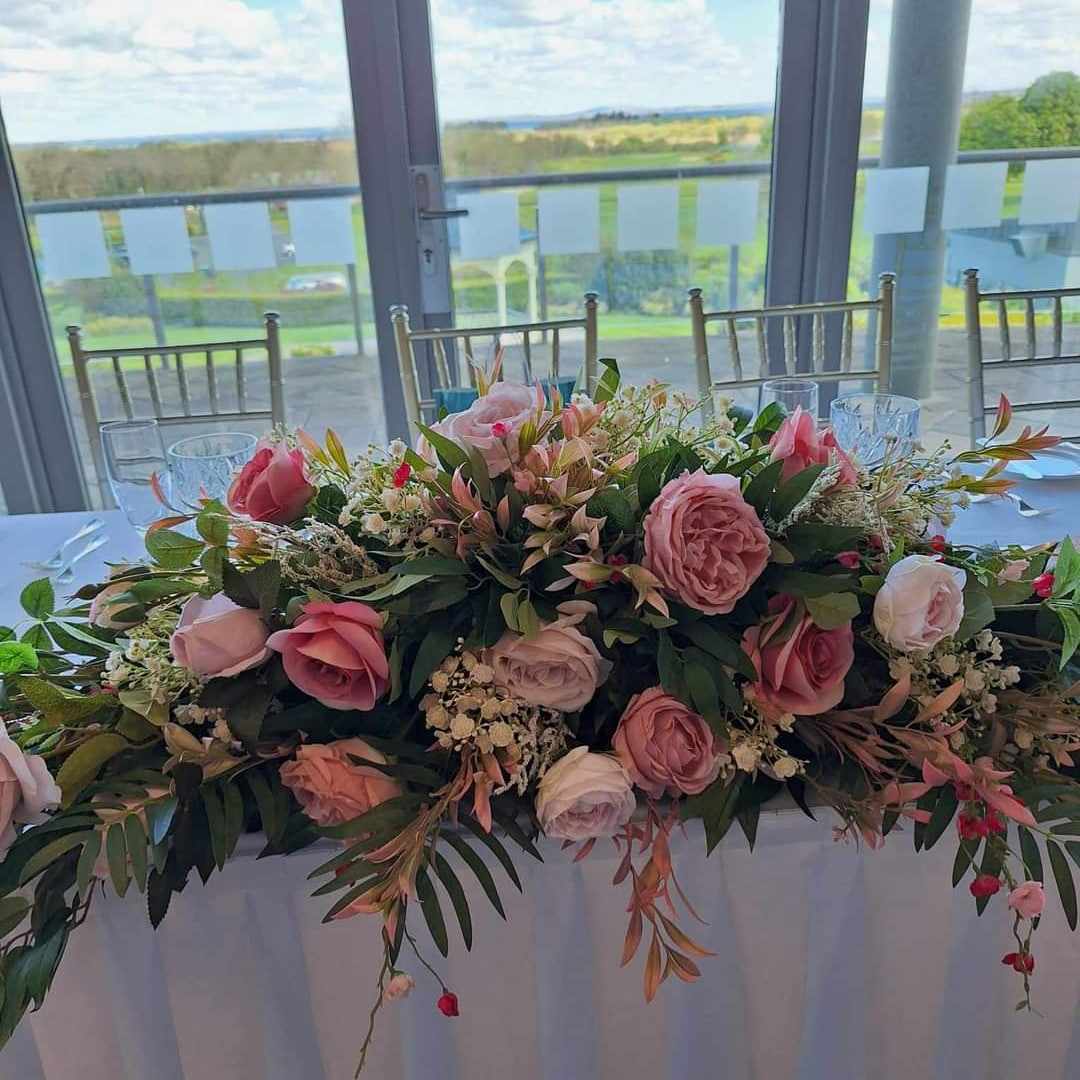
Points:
[(559, 668), (799, 444), (492, 424), (27, 790), (801, 672), (583, 796), (704, 541), (665, 746), (330, 787), (1028, 900), (335, 654), (217, 638), (273, 486)]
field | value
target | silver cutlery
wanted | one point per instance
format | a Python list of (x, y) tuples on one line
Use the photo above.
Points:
[(55, 561), (1022, 506), (66, 572)]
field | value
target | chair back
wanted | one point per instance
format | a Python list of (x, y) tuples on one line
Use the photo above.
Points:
[(1015, 356), (420, 409), (86, 360), (787, 316)]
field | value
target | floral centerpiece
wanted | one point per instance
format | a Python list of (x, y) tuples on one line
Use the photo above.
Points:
[(591, 620)]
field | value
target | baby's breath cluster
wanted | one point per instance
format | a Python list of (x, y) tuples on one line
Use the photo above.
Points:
[(755, 746), (467, 709), (146, 663)]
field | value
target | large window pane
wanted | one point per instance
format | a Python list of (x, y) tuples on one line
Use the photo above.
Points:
[(112, 107), (620, 147), (971, 158)]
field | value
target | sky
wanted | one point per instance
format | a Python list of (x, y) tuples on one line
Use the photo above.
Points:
[(92, 69)]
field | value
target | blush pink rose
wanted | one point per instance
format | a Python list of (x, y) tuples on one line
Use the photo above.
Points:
[(27, 790), (273, 486), (704, 541), (335, 653), (332, 788), (584, 796), (1028, 900), (105, 609), (799, 444), (492, 424), (559, 667), (665, 746), (801, 668), (217, 638)]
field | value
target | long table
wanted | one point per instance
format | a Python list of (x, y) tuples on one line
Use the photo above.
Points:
[(831, 962)]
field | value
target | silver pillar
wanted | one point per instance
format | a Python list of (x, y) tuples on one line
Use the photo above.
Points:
[(928, 45)]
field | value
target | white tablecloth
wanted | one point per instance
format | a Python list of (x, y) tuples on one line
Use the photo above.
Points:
[(832, 963)]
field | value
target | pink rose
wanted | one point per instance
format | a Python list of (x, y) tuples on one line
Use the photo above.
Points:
[(218, 638), (559, 668), (1028, 900), (799, 444), (273, 486), (335, 653), (665, 746), (801, 669), (583, 796), (704, 541), (330, 787), (920, 602), (27, 790), (400, 985), (492, 424)]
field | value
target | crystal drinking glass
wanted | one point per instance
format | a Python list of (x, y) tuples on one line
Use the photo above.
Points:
[(203, 466), (790, 394), (134, 454), (873, 427)]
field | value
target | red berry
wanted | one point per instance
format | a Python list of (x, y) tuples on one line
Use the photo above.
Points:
[(448, 1004), (970, 827), (1043, 585), (985, 885), (402, 474), (937, 543), (848, 559)]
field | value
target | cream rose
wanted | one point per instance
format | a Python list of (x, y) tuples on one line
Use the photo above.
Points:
[(584, 795), (920, 602), (27, 790), (559, 668)]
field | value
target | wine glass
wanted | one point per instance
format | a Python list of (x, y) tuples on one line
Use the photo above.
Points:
[(134, 455), (872, 427), (790, 394), (203, 466)]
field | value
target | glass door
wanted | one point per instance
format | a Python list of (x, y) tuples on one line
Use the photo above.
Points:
[(183, 170), (621, 148)]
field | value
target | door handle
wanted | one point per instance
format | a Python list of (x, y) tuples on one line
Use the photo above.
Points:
[(439, 215)]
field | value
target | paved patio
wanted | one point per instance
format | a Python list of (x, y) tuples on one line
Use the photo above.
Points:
[(344, 391)]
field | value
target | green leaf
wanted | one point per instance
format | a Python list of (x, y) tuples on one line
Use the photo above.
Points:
[(271, 812), (215, 819), (431, 566), (993, 860), (46, 856), (527, 618), (456, 893), (760, 490), (135, 835), (450, 454), (792, 492), (608, 385), (965, 856), (703, 692), (394, 813), (707, 636), (612, 504), (495, 846), (85, 762), (649, 475), (435, 647), (433, 916), (978, 610), (68, 643), (808, 539), (159, 816), (13, 910), (116, 850), (234, 816), (478, 867), (17, 657), (748, 821), (84, 872), (60, 706), (1070, 624), (173, 550), (833, 610), (716, 808), (1029, 851), (804, 584), (37, 637), (257, 588), (944, 810), (670, 668), (38, 599), (1066, 569), (1063, 877)]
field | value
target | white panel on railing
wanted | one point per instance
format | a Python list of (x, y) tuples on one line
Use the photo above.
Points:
[(569, 220), (73, 245), (492, 227), (240, 237), (157, 240), (648, 217), (322, 231), (1051, 192), (973, 195), (727, 212), (895, 200)]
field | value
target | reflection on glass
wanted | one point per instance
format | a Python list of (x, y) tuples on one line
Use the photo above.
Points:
[(791, 394), (875, 426), (134, 456), (203, 466)]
